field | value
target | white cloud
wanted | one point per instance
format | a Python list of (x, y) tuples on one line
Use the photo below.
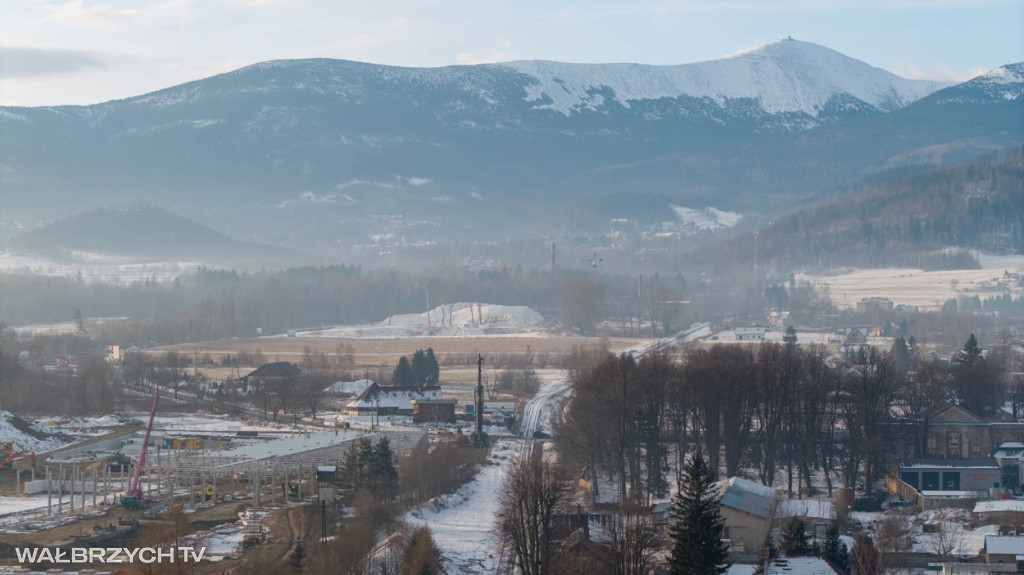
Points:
[(110, 17), (941, 72), (499, 53)]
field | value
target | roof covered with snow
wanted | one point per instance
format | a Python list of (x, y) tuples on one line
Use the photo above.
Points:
[(747, 496), (1004, 544), (950, 463), (813, 508), (349, 387), (800, 566), (999, 505)]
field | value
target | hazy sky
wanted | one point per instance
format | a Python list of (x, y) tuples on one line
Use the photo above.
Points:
[(86, 51)]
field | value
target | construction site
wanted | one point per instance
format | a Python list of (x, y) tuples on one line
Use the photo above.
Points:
[(99, 491)]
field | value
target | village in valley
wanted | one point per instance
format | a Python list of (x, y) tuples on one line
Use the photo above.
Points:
[(835, 445), (670, 287)]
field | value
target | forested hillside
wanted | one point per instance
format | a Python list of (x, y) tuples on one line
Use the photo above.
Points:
[(910, 221)]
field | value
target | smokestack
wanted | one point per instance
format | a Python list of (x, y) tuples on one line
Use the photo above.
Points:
[(640, 286), (552, 258)]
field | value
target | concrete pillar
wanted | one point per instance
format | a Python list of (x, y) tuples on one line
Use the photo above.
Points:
[(215, 488), (285, 485), (81, 483), (254, 481), (49, 492), (60, 491), (71, 501), (17, 483)]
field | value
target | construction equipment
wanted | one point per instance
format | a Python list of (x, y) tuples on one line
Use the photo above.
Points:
[(10, 459), (133, 498)]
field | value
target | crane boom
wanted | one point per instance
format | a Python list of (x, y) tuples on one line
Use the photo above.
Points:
[(136, 487)]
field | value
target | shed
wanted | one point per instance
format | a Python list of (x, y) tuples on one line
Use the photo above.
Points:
[(1004, 548), (952, 474)]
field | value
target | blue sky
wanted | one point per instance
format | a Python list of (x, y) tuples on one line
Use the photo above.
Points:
[(87, 51)]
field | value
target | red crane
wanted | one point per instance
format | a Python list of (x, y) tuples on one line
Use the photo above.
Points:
[(133, 497)]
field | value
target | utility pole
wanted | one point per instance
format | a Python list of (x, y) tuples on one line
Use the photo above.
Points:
[(480, 400), (426, 288)]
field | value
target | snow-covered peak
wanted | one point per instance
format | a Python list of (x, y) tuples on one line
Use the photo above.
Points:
[(1011, 74), (1004, 84), (783, 76)]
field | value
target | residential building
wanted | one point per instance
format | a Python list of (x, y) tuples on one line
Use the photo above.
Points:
[(815, 514), (750, 333), (433, 410), (747, 508), (391, 400), (1005, 549)]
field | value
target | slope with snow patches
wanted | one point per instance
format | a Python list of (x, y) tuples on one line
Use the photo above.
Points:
[(447, 320), (783, 76), (27, 438), (709, 219)]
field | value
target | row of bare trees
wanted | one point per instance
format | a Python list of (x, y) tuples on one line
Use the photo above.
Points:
[(775, 408)]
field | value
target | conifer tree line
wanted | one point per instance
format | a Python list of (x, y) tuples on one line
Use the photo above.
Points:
[(776, 410), (422, 370)]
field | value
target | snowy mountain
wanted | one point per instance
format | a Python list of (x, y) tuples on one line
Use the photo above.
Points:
[(294, 151), (786, 76), (1004, 84)]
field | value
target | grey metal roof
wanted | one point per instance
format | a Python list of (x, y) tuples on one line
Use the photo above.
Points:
[(747, 496)]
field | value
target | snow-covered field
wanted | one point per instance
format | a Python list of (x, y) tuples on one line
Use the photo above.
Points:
[(94, 267), (912, 286), (448, 320)]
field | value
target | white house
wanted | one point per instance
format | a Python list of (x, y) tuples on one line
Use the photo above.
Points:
[(391, 400)]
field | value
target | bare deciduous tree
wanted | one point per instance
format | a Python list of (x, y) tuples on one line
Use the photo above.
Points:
[(533, 494)]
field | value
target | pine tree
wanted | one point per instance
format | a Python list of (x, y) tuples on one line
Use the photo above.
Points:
[(434, 373), (696, 524), (834, 549), (79, 320), (382, 469), (420, 369), (403, 375), (794, 538), (971, 352)]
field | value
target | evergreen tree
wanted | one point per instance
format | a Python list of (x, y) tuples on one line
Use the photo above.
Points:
[(434, 373), (794, 538), (420, 369), (382, 469), (403, 375), (696, 524), (790, 338), (834, 550), (971, 352), (79, 320)]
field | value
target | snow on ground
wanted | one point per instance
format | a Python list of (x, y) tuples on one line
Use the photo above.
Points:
[(222, 542), (96, 267), (196, 423), (913, 286), (709, 219), (9, 505), (25, 442), (464, 528), (448, 320)]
